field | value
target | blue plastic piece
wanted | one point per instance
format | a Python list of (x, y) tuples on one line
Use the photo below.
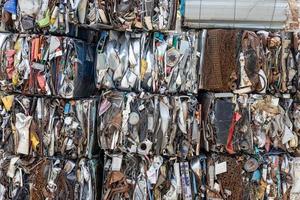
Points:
[(256, 176), (11, 6), (182, 7), (159, 36), (67, 108)]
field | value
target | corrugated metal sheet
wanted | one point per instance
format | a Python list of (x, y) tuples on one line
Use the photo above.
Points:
[(256, 14)]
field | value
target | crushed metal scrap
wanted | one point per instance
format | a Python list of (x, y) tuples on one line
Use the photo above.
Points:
[(144, 112)]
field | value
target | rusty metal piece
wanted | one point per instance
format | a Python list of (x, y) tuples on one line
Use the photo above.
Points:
[(220, 59), (116, 184)]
